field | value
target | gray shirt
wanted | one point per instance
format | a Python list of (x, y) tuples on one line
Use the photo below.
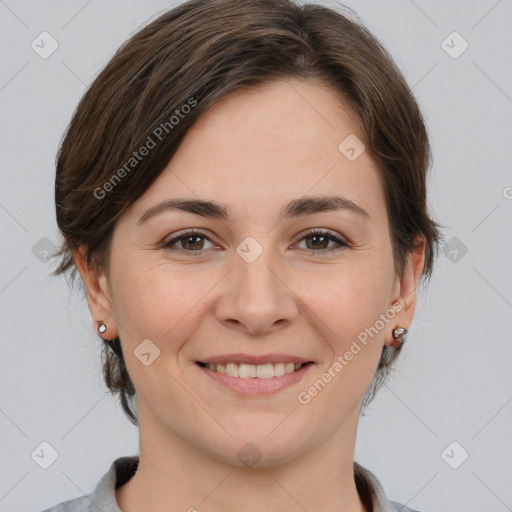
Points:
[(103, 498)]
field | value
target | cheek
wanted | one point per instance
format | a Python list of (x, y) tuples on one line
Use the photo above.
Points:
[(351, 297), (350, 306), (158, 303), (156, 300)]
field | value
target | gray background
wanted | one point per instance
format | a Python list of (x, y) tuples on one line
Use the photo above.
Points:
[(453, 381)]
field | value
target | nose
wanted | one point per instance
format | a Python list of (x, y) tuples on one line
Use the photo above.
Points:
[(256, 297)]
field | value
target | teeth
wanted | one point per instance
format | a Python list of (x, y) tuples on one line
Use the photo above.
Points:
[(248, 370), (231, 369), (279, 369), (261, 371)]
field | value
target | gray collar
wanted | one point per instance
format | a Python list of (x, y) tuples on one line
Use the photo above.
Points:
[(103, 498)]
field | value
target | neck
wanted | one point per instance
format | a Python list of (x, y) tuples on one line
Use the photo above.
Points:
[(175, 475)]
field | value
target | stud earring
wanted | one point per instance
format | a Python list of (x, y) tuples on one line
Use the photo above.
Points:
[(398, 335), (102, 327)]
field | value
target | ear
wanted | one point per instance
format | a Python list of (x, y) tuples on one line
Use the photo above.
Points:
[(98, 296), (404, 291)]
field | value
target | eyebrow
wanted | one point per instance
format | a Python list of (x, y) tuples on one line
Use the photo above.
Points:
[(307, 205)]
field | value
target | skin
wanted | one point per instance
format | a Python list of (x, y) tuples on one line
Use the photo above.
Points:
[(253, 152)]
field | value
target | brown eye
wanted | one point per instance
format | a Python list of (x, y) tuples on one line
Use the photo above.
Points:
[(191, 241), (317, 241)]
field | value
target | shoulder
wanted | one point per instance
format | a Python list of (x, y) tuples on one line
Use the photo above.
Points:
[(104, 495), (81, 504), (372, 493)]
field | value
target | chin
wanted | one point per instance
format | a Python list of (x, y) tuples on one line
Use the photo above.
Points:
[(261, 448)]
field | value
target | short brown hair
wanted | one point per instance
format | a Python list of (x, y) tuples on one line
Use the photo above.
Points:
[(198, 53)]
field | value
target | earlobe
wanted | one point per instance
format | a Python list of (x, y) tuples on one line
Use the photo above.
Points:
[(398, 337), (98, 296), (406, 295)]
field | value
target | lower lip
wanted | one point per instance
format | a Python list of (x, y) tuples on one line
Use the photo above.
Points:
[(255, 386)]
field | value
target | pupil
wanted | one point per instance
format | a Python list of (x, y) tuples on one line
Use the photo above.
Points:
[(195, 237), (316, 237)]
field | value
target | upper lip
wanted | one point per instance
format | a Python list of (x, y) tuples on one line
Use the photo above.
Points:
[(252, 359)]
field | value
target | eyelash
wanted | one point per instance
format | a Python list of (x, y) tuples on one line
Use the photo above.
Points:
[(314, 232)]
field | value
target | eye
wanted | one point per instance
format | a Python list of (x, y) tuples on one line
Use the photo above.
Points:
[(320, 241), (192, 242)]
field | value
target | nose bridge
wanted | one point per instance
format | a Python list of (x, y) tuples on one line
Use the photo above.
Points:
[(255, 258), (257, 296)]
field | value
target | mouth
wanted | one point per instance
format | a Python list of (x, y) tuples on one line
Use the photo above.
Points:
[(254, 380), (251, 371)]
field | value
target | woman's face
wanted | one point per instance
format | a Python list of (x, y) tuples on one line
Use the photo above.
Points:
[(257, 282)]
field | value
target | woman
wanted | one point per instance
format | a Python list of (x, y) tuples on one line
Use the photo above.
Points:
[(243, 192)]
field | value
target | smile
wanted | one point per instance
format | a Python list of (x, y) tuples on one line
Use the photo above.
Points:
[(247, 371), (254, 380)]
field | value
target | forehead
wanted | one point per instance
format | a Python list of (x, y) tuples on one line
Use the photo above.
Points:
[(287, 111), (267, 145)]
